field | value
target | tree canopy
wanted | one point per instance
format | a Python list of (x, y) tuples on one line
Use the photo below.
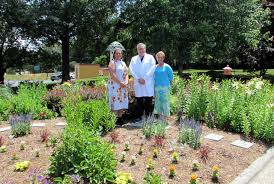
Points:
[(203, 32)]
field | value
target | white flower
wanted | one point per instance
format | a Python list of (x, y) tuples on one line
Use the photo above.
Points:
[(250, 83), (236, 85), (259, 85), (249, 92), (215, 87), (270, 105)]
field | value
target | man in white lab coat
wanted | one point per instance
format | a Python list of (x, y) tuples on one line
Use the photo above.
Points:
[(142, 69)]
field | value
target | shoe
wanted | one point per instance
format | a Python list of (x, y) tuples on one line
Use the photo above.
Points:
[(137, 120), (119, 121)]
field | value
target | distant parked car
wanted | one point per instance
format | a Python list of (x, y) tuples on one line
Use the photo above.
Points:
[(72, 75), (58, 76)]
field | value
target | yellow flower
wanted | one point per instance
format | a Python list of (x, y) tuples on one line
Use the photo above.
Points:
[(174, 154), (215, 168), (172, 168), (194, 177), (67, 84), (155, 152)]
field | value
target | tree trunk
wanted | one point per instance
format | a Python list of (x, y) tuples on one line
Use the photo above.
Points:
[(2, 71), (179, 61), (183, 58), (65, 57)]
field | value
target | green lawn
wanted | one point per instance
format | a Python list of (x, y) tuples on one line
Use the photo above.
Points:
[(234, 72), (46, 76), (39, 76)]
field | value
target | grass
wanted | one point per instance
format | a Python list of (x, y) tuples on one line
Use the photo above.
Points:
[(234, 72), (46, 76), (39, 76)]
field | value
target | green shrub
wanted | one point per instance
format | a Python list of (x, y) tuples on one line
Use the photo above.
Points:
[(29, 100), (94, 115), (197, 99), (101, 60), (244, 108), (5, 109), (5, 92), (68, 179), (152, 178), (59, 93), (20, 125), (154, 127), (5, 103), (178, 97), (83, 154), (190, 133)]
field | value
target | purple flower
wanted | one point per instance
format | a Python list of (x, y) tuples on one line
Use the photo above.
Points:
[(46, 181), (40, 178), (192, 124), (75, 178)]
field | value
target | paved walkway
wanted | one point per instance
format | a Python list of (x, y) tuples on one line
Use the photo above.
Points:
[(261, 171), (266, 175)]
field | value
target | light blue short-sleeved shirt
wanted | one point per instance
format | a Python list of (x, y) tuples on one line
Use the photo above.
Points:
[(163, 75)]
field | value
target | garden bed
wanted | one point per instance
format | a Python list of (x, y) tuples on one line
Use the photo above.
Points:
[(231, 160), (32, 142)]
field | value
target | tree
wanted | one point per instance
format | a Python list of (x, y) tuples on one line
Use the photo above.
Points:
[(12, 36), (67, 21), (201, 30)]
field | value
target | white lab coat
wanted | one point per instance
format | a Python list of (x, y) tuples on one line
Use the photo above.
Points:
[(144, 70)]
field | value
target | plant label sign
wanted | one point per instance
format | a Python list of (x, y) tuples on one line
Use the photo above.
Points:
[(38, 124), (214, 137), (242, 144), (61, 124), (5, 129)]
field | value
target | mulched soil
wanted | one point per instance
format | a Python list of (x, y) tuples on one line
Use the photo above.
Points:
[(33, 142), (231, 160)]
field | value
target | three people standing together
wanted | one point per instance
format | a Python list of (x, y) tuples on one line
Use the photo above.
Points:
[(150, 80)]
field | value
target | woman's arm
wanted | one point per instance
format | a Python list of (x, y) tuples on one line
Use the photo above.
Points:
[(113, 76), (170, 74)]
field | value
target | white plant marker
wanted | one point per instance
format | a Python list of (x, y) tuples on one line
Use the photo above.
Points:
[(38, 125), (5, 129), (242, 144), (214, 137)]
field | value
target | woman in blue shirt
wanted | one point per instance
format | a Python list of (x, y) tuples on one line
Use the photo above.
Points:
[(163, 77)]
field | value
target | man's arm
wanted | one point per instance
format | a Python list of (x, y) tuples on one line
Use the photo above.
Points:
[(131, 68)]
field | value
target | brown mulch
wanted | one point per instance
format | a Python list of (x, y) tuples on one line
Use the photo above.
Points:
[(33, 142), (231, 160)]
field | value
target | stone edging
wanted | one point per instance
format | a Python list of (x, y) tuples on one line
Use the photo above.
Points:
[(36, 125), (254, 169)]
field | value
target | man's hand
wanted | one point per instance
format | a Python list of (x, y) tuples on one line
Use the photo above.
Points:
[(141, 81)]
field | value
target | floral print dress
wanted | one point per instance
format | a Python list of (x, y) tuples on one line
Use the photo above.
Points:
[(118, 97)]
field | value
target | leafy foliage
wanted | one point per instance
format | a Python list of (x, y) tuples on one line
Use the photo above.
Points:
[(20, 125), (94, 115), (246, 108), (190, 133), (152, 178), (154, 127), (84, 155), (29, 100), (101, 60), (198, 97)]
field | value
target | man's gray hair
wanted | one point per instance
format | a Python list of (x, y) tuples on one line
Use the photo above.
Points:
[(141, 45)]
